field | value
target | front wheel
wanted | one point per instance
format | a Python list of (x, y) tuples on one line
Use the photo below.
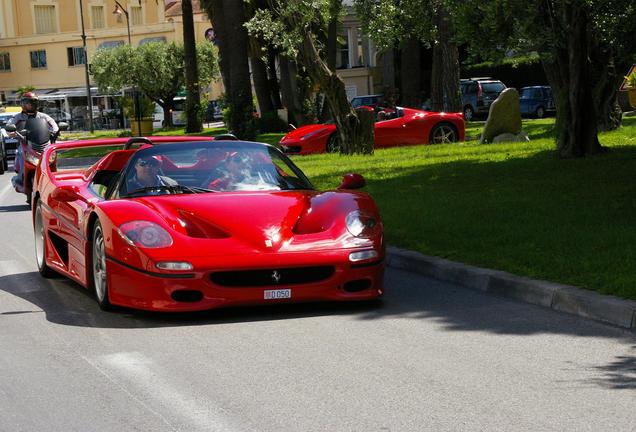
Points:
[(333, 145), (100, 277), (442, 133), (40, 243)]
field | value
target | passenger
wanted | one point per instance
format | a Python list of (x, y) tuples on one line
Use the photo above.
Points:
[(235, 171)]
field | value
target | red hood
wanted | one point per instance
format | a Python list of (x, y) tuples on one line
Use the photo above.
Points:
[(304, 130), (262, 220)]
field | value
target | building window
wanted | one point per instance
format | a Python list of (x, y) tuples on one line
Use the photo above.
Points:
[(97, 15), (152, 39), (38, 59), (342, 58), (110, 44), (75, 56), (136, 15), (45, 21), (5, 62)]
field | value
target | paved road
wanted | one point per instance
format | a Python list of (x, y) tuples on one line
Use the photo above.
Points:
[(432, 357)]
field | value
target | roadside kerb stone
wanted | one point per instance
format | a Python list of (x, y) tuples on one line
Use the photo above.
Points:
[(562, 298)]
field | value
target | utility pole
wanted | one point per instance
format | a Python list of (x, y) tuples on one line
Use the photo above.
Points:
[(88, 83)]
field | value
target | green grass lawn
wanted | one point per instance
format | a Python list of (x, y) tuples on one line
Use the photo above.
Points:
[(513, 207)]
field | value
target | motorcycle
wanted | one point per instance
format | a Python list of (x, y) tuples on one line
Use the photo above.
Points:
[(33, 139)]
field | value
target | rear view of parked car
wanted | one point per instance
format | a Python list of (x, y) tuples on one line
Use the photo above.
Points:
[(536, 101), (478, 94), (368, 100), (8, 144)]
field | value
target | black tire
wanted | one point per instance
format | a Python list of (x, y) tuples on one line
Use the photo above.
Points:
[(333, 144), (469, 113), (99, 277), (540, 112), (5, 163), (40, 243), (442, 133)]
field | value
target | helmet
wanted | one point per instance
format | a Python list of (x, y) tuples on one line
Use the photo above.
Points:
[(29, 98)]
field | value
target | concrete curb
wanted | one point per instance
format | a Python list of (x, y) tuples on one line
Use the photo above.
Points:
[(563, 298)]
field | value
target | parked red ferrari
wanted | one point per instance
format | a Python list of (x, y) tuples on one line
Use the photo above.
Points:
[(402, 126), (192, 223)]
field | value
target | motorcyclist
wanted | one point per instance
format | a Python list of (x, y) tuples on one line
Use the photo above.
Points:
[(29, 102)]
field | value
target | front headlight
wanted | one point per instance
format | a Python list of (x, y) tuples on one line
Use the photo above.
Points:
[(32, 158), (145, 234), (361, 225)]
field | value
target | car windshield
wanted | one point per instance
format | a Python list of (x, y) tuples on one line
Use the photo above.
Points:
[(204, 167)]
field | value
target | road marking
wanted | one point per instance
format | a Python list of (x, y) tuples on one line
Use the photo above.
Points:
[(135, 367)]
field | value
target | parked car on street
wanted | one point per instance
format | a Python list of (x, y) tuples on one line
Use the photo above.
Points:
[(536, 101), (478, 94)]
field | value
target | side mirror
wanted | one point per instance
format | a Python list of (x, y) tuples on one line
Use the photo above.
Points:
[(10, 128), (352, 181), (63, 126), (67, 193)]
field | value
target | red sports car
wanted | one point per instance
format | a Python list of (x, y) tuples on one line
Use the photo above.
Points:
[(192, 223), (402, 126)]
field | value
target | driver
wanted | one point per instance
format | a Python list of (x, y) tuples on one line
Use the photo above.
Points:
[(29, 102), (146, 174)]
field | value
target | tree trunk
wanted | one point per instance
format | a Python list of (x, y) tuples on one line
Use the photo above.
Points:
[(606, 83), (445, 93), (193, 101), (234, 58), (349, 127), (215, 11), (274, 88), (259, 76), (411, 81)]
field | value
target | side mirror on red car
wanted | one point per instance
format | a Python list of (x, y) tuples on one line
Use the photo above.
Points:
[(352, 181), (67, 193)]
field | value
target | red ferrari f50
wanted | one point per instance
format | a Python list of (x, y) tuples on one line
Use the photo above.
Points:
[(190, 223), (395, 127)]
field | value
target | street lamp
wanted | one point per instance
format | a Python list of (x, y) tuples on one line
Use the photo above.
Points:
[(89, 97), (119, 10)]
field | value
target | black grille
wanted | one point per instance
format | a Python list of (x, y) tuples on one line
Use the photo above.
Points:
[(272, 277)]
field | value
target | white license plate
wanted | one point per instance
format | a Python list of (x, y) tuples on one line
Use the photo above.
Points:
[(10, 152), (277, 294)]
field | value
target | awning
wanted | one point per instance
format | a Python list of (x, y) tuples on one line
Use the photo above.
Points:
[(64, 93)]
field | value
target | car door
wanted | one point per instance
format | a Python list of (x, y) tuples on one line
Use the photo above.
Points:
[(396, 131)]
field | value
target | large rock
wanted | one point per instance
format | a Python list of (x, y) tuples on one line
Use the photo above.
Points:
[(508, 137), (504, 116)]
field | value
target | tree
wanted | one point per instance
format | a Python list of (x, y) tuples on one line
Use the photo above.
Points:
[(228, 19), (294, 27), (578, 42), (194, 113), (156, 69), (407, 24)]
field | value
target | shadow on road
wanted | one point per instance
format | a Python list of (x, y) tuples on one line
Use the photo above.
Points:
[(407, 297)]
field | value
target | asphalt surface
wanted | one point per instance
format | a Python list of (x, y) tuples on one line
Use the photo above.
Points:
[(430, 357)]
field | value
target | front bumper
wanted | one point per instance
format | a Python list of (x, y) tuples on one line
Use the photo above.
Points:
[(139, 289)]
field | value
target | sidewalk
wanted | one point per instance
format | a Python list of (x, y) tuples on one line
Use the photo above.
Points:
[(562, 298)]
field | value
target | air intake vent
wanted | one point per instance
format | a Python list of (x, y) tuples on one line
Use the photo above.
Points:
[(272, 277)]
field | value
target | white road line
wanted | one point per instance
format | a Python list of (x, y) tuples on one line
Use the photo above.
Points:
[(135, 367)]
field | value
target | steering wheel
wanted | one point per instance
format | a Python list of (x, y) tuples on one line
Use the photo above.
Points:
[(136, 140)]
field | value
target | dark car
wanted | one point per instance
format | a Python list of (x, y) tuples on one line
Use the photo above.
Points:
[(8, 145), (536, 101), (478, 94), (372, 101)]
